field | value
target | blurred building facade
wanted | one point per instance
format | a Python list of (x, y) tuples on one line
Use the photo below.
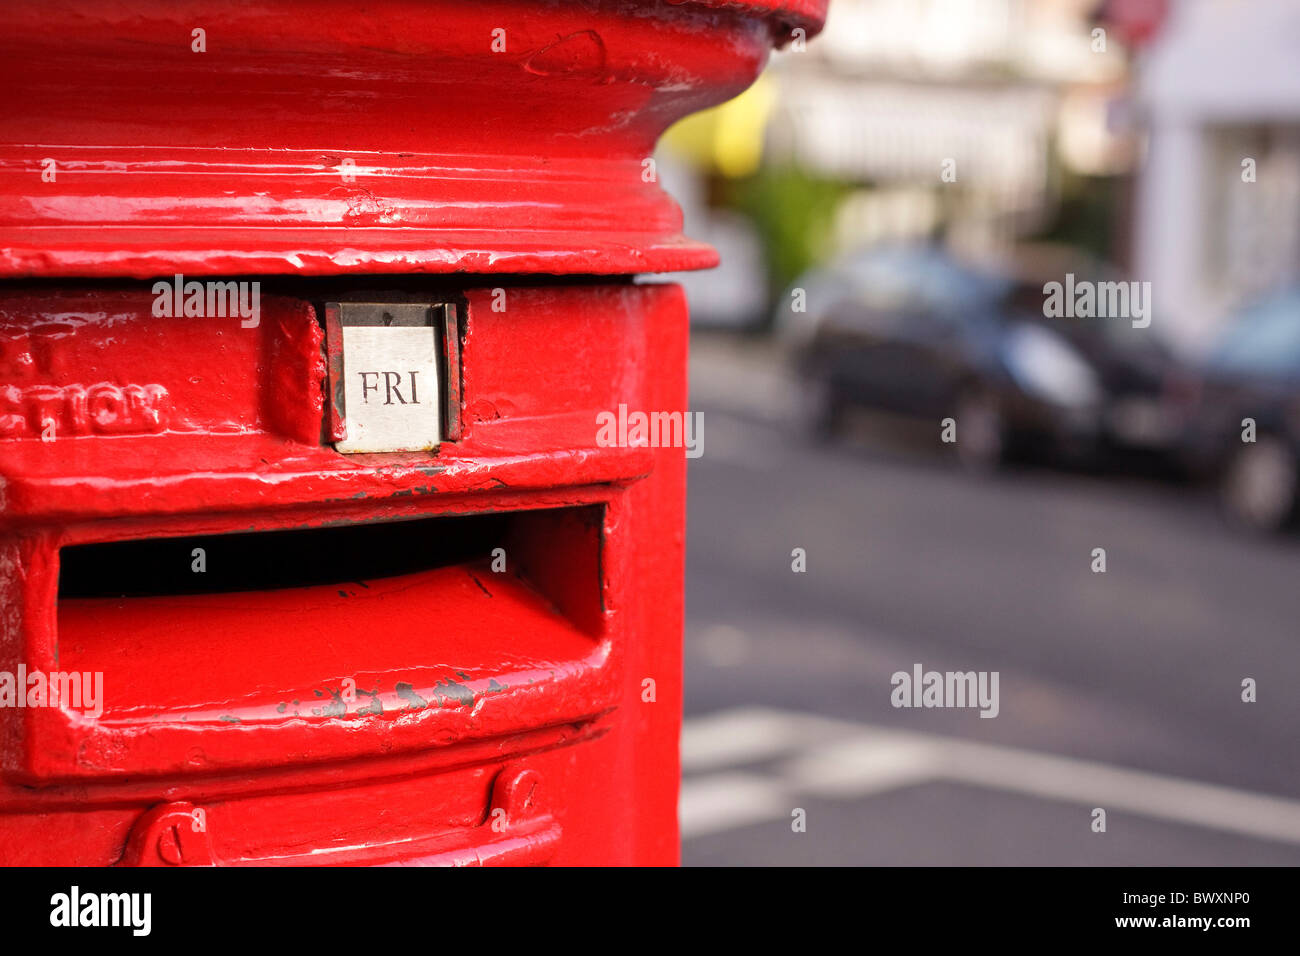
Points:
[(954, 112), (1218, 209), (965, 120), (1007, 127)]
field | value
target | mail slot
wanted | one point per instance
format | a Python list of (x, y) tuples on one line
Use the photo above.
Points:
[(312, 549)]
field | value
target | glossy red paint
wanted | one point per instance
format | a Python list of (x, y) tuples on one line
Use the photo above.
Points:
[(227, 701), (353, 678), (528, 159)]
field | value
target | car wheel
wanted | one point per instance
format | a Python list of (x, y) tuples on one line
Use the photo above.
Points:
[(981, 431), (1259, 485)]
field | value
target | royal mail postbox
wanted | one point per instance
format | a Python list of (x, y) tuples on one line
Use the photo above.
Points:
[(313, 545)]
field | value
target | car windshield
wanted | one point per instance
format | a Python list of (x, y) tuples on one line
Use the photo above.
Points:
[(1266, 340), (909, 278)]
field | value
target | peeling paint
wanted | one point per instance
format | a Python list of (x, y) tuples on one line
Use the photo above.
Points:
[(413, 700)]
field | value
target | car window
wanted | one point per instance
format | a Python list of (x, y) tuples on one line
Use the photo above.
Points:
[(1266, 340), (917, 281)]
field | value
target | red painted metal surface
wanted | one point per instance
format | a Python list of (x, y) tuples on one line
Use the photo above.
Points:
[(527, 159), (353, 678), (229, 700)]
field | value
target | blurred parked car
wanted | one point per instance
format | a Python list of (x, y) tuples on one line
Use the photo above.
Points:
[(911, 330), (1253, 372)]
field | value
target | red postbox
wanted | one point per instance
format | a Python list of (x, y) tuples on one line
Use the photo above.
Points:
[(311, 548)]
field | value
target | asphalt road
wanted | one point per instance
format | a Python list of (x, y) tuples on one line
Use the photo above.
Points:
[(1119, 691)]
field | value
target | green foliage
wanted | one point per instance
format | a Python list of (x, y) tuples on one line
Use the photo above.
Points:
[(794, 214), (1087, 215)]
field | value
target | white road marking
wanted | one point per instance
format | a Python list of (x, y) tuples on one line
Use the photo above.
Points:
[(863, 765), (1147, 794), (737, 736), (726, 801), (842, 760)]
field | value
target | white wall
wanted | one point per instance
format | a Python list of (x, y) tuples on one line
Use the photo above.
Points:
[(1215, 63)]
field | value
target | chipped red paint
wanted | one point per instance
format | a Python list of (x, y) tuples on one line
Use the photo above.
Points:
[(447, 712)]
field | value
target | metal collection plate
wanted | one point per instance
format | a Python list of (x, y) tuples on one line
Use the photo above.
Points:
[(385, 371)]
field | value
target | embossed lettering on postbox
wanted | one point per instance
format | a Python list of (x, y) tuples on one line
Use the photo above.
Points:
[(97, 363), (390, 387), (47, 411), (386, 376)]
